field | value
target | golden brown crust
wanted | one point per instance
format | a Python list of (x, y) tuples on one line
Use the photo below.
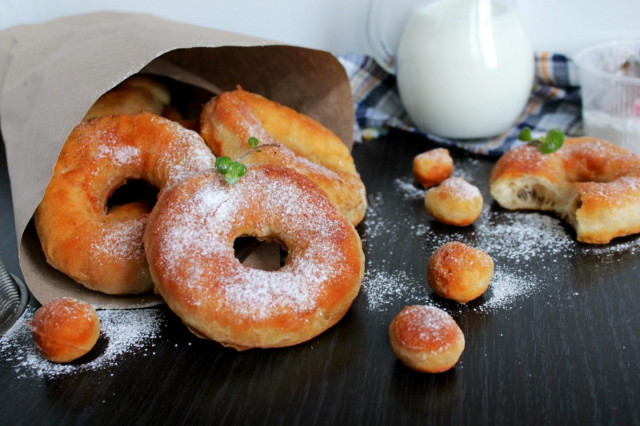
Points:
[(459, 272), (432, 167), (303, 144), (65, 329), (454, 202), (426, 339), (135, 94), (189, 244), (103, 249), (591, 183)]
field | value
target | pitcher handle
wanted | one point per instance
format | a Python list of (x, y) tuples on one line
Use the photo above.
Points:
[(379, 47)]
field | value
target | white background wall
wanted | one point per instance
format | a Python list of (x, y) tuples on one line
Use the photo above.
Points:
[(339, 25)]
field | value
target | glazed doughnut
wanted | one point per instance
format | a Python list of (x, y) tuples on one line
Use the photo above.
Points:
[(591, 183), (189, 244), (459, 272), (454, 202), (426, 339), (432, 167), (228, 120), (135, 94), (103, 249), (65, 329)]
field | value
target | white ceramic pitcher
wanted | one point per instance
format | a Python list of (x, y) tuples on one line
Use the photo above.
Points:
[(464, 67)]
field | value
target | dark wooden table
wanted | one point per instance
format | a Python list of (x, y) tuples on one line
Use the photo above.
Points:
[(564, 349)]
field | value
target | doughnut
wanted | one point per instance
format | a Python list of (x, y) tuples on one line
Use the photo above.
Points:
[(65, 329), (459, 272), (590, 183), (301, 143), (135, 94), (454, 202), (426, 339), (189, 244), (432, 167), (100, 248)]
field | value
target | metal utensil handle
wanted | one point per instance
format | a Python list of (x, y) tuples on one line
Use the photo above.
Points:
[(13, 300)]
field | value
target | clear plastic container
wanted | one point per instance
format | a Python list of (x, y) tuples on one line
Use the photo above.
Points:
[(610, 82)]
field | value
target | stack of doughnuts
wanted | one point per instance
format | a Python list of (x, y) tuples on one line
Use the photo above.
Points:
[(306, 196)]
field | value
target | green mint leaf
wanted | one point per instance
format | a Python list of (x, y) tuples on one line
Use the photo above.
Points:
[(253, 141), (553, 141), (222, 164), (231, 178), (237, 169), (525, 134)]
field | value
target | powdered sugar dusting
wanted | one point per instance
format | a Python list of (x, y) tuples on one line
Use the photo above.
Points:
[(459, 189), (408, 189), (515, 236), (123, 331), (507, 288), (382, 289), (119, 154), (187, 154), (122, 240), (420, 326)]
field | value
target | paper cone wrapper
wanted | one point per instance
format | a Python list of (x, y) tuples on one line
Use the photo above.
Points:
[(51, 74)]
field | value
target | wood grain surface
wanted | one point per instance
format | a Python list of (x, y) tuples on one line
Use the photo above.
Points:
[(564, 348)]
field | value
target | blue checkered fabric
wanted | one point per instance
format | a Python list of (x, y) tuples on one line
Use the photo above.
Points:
[(554, 103)]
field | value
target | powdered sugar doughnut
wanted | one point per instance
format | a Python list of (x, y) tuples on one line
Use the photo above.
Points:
[(103, 249), (432, 167), (189, 244), (454, 202), (426, 339), (65, 329)]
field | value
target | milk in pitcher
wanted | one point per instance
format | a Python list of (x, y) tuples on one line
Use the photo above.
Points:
[(465, 68)]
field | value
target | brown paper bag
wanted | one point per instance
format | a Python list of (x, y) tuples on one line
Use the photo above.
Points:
[(51, 73)]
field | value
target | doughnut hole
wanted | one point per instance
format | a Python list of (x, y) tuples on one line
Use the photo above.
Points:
[(454, 202), (266, 255), (459, 272), (432, 167), (132, 192), (426, 339), (65, 329)]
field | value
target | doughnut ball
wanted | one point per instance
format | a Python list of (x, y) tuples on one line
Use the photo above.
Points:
[(459, 272), (454, 202), (432, 167), (65, 329), (426, 339)]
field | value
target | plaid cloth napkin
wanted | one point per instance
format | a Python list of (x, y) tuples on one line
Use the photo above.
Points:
[(554, 103)]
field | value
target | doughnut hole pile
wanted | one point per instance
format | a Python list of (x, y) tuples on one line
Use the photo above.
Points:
[(454, 202), (426, 339), (459, 272), (432, 167), (65, 329)]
